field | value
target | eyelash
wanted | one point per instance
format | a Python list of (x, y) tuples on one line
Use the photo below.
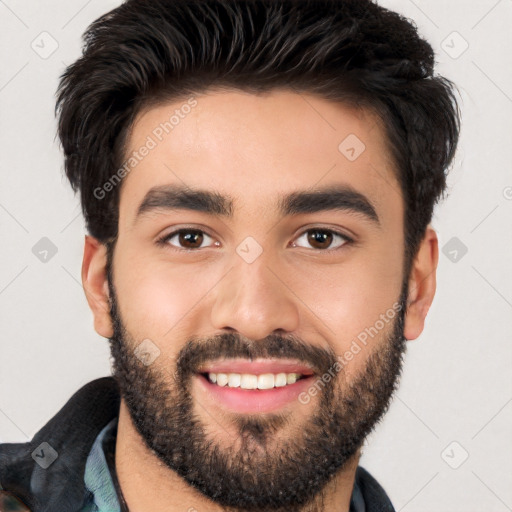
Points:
[(163, 241)]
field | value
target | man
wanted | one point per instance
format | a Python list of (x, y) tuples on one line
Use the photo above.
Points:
[(257, 180)]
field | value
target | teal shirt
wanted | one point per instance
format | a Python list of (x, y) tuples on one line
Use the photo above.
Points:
[(98, 481)]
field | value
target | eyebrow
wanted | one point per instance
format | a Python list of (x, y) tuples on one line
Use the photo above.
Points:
[(328, 198)]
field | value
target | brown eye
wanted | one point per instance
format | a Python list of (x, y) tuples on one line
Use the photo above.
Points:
[(323, 238), (187, 238), (320, 239)]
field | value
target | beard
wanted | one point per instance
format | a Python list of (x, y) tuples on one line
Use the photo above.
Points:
[(272, 463)]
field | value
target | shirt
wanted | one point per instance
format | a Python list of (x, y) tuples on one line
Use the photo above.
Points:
[(98, 479)]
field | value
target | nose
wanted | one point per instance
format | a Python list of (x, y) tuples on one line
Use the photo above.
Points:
[(255, 300)]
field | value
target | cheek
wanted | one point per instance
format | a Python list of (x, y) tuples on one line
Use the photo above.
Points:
[(158, 299), (349, 296), (354, 305)]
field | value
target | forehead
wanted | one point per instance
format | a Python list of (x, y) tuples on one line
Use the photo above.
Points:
[(255, 148)]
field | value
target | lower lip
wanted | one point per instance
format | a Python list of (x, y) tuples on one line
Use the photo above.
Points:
[(254, 400)]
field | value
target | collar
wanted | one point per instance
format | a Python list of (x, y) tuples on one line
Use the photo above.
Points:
[(98, 477)]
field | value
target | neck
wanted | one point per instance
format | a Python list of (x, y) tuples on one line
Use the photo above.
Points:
[(148, 484)]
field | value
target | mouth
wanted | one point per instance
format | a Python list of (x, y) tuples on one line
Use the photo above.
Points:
[(254, 386)]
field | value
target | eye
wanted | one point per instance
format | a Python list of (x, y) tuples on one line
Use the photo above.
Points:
[(187, 238), (321, 238)]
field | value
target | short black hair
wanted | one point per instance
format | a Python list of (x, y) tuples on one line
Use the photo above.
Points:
[(356, 52)]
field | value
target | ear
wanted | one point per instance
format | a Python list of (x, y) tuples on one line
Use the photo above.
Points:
[(94, 280), (422, 285)]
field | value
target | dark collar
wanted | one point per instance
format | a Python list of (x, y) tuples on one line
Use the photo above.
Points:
[(71, 433)]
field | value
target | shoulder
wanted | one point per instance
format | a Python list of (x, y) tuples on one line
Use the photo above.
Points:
[(375, 497)]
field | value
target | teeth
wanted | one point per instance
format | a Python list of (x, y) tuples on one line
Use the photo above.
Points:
[(234, 380), (249, 381), (291, 378), (280, 380), (222, 379), (266, 381)]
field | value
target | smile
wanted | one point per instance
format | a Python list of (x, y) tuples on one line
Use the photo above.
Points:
[(259, 386)]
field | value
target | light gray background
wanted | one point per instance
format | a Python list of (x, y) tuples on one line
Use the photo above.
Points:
[(455, 398)]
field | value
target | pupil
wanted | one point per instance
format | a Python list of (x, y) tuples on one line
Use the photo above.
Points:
[(322, 237), (187, 237)]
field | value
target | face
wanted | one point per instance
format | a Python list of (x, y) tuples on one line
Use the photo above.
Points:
[(263, 279)]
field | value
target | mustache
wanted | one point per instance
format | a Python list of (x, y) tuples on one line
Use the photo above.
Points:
[(198, 351)]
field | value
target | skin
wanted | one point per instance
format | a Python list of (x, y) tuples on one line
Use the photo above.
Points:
[(283, 142)]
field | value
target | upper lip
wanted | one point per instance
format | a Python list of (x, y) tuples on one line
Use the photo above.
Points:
[(256, 367)]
